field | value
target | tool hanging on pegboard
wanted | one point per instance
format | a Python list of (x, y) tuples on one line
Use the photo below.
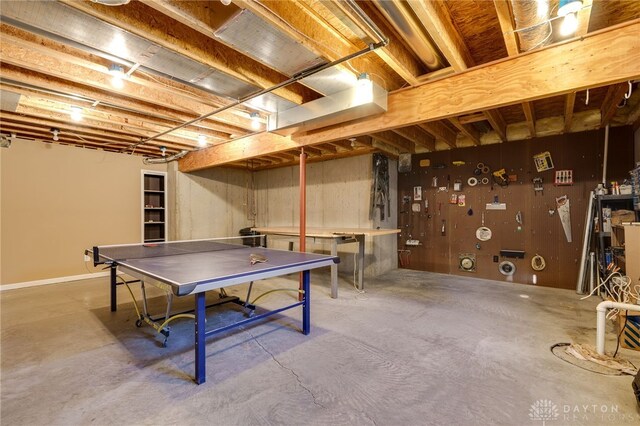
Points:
[(537, 186), (380, 187)]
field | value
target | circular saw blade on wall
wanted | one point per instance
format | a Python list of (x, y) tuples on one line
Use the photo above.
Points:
[(467, 262)]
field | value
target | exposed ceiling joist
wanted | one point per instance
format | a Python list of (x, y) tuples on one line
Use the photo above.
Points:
[(467, 130), (437, 21), (441, 132), (569, 103), (497, 123), (418, 136), (395, 140), (530, 115), (584, 16), (498, 84), (614, 96), (136, 18), (505, 18)]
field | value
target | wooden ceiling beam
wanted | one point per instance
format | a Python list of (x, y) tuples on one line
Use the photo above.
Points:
[(530, 115), (501, 83), (467, 130), (509, 81), (505, 17), (312, 150), (472, 118), (54, 65), (609, 107), (28, 78), (441, 132), (88, 68), (497, 122), (418, 136), (436, 19), (569, 103), (63, 124), (328, 148), (390, 138), (92, 119), (138, 18)]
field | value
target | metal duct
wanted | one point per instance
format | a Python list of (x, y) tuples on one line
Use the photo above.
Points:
[(532, 23), (407, 24), (339, 107)]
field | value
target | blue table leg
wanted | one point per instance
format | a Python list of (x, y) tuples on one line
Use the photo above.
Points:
[(114, 302), (306, 308), (201, 371)]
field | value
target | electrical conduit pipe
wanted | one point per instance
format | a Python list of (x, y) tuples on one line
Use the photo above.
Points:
[(601, 310)]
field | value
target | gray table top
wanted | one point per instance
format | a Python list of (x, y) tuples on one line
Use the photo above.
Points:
[(196, 266)]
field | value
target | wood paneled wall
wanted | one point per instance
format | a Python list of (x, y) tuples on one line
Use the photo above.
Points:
[(541, 233)]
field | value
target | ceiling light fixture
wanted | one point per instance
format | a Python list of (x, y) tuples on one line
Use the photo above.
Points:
[(202, 140), (364, 89), (225, 2), (55, 132), (76, 113), (255, 120), (568, 9), (118, 75)]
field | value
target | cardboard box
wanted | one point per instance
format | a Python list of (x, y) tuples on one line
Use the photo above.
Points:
[(619, 216), (630, 336)]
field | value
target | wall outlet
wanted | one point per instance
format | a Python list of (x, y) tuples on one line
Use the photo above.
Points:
[(496, 259), (86, 257)]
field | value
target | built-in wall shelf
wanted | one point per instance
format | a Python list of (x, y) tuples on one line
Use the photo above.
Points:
[(154, 206)]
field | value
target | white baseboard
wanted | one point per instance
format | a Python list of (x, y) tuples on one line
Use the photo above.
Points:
[(48, 281)]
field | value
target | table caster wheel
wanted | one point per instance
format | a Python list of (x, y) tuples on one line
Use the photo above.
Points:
[(164, 343), (139, 323)]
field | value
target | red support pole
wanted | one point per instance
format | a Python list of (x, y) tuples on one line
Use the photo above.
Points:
[(303, 207)]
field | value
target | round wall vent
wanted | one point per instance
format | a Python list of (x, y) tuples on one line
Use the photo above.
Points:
[(507, 268)]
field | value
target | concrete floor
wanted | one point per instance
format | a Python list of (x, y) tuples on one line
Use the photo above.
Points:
[(417, 348)]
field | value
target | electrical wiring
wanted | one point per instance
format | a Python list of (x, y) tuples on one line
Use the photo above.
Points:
[(354, 275), (171, 318), (135, 303), (619, 290), (274, 291), (538, 263)]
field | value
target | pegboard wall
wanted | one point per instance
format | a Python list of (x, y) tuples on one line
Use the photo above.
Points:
[(436, 234)]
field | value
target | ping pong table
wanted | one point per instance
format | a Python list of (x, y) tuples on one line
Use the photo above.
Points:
[(184, 268)]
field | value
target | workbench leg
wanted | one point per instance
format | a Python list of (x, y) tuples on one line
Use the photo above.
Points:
[(201, 370), (360, 239), (306, 307), (334, 269), (114, 294)]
